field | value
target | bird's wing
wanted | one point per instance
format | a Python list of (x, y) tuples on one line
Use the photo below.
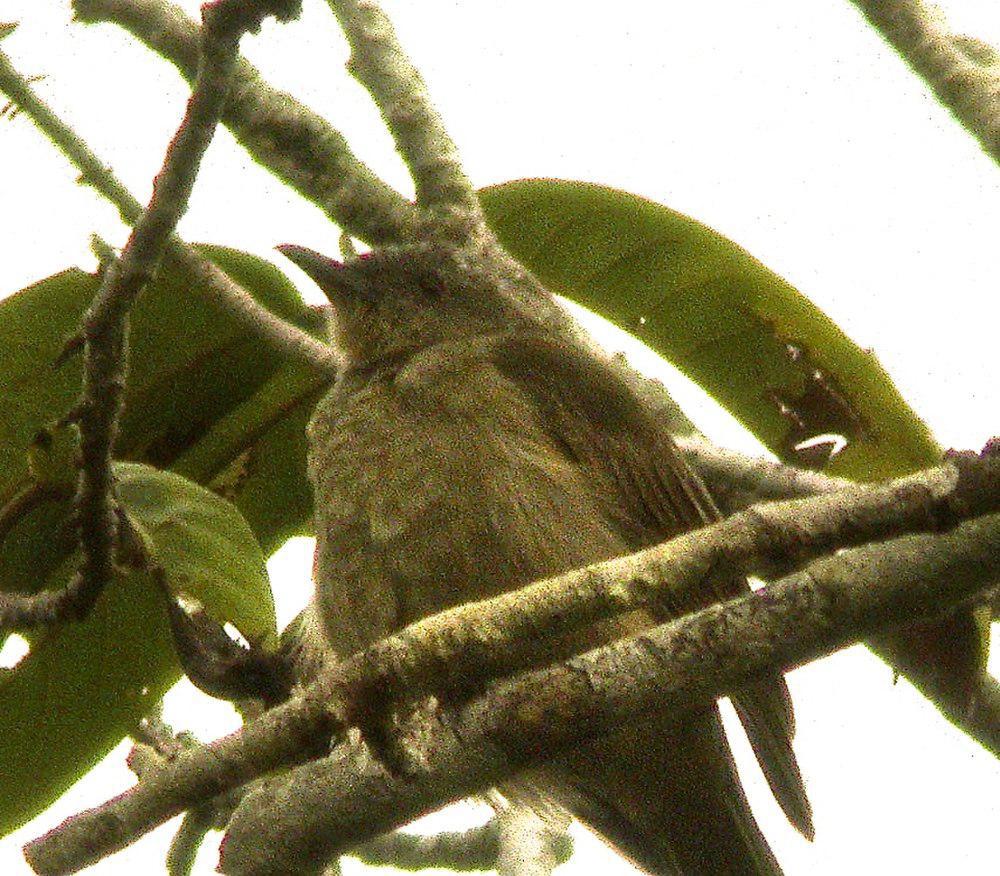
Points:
[(648, 494)]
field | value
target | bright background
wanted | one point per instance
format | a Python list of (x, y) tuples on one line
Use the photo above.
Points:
[(788, 126)]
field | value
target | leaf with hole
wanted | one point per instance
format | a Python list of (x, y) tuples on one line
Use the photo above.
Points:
[(757, 345)]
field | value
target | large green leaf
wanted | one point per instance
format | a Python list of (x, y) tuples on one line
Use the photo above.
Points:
[(203, 399), (766, 353), (763, 350)]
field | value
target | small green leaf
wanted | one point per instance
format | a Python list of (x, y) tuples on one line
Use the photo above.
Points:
[(203, 545)]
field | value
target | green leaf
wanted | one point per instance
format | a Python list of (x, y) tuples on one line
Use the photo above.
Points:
[(763, 350), (205, 400), (77, 693), (203, 545)]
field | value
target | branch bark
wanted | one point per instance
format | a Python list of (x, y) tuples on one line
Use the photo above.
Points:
[(737, 481), (969, 86), (511, 632), (786, 623), (296, 144), (383, 68), (331, 804)]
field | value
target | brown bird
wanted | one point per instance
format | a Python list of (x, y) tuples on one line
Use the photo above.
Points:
[(467, 449)]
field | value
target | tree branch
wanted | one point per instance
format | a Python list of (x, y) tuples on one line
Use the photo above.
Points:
[(297, 145), (156, 744), (326, 806), (475, 849), (106, 321), (915, 577), (382, 67), (967, 82), (511, 632), (233, 298)]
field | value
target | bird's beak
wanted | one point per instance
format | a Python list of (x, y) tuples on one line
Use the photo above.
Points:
[(336, 280)]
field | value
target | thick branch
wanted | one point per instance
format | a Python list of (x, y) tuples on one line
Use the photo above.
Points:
[(787, 622), (298, 146), (326, 806), (512, 631), (236, 301), (966, 85), (381, 66)]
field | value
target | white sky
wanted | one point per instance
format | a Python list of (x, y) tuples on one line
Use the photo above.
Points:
[(787, 126)]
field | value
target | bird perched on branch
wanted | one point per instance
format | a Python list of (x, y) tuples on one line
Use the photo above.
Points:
[(467, 449)]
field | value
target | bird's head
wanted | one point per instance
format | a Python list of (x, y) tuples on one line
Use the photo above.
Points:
[(395, 300)]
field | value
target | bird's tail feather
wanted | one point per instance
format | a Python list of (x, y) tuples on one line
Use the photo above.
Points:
[(764, 710), (667, 797)]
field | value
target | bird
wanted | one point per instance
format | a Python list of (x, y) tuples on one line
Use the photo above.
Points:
[(466, 448)]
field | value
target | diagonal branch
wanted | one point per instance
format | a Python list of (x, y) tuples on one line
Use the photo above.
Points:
[(105, 323), (381, 66), (298, 146), (736, 481), (232, 297), (328, 805), (968, 85), (512, 632), (839, 599)]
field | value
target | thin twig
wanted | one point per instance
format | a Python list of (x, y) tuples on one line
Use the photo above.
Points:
[(296, 144), (967, 85), (380, 64), (105, 325), (257, 319), (737, 481), (839, 599), (228, 294), (188, 840)]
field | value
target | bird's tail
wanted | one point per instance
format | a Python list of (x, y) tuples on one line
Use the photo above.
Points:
[(667, 797)]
